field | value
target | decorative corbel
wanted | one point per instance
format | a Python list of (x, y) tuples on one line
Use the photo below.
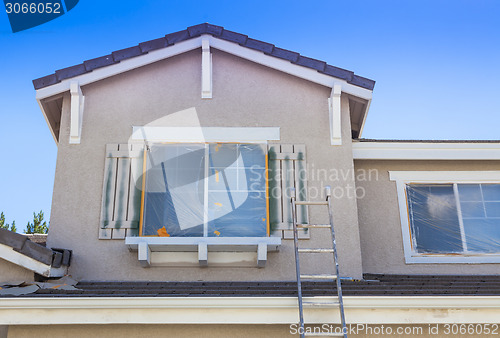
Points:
[(335, 115), (77, 100), (206, 69)]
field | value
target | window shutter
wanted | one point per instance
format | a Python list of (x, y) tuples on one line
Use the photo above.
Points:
[(287, 170), (121, 195)]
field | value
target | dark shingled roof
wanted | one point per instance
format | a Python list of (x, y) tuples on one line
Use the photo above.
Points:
[(371, 285), (193, 32)]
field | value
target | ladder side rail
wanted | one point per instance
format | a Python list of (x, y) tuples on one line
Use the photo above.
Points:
[(297, 265), (339, 286)]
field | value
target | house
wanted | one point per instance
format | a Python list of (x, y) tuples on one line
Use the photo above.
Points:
[(175, 168)]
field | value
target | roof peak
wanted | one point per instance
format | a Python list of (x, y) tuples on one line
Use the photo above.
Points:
[(193, 32)]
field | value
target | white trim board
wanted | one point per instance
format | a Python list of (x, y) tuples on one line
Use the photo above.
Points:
[(215, 243), (9, 254), (203, 245), (403, 178), (247, 310), (492, 176), (425, 151), (206, 134), (335, 114)]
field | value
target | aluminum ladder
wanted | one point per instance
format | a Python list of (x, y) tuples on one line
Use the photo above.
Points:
[(300, 276)]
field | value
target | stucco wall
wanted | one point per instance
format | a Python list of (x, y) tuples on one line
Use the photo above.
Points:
[(10, 272), (379, 220), (245, 94)]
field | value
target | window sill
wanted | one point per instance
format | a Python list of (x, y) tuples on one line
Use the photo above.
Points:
[(147, 246), (453, 259)]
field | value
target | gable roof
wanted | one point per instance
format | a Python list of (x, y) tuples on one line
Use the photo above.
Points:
[(193, 32)]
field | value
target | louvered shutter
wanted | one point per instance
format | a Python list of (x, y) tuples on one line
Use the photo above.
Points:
[(121, 196), (287, 169)]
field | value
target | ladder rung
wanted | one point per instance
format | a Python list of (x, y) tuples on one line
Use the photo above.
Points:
[(319, 250), (318, 276), (310, 203), (313, 225), (318, 304)]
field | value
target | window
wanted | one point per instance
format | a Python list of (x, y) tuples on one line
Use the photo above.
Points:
[(450, 216), (205, 190)]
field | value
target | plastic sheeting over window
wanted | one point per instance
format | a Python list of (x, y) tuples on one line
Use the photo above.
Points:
[(454, 218), (200, 190)]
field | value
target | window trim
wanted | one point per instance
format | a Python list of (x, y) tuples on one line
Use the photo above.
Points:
[(205, 134), (402, 178)]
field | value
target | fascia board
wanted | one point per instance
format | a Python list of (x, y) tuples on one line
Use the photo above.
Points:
[(425, 151), (246, 310)]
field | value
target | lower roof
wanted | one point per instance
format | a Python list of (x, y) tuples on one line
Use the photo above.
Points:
[(371, 285)]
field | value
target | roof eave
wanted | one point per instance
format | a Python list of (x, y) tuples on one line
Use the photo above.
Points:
[(193, 43), (195, 32), (246, 310), (420, 150)]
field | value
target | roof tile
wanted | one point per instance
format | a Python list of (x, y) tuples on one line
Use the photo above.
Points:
[(285, 54), (12, 239), (126, 53), (177, 37), (72, 71), (45, 81), (311, 63), (36, 251), (259, 45), (153, 44), (204, 28), (214, 29), (102, 61), (233, 37), (362, 81), (338, 72), (57, 259)]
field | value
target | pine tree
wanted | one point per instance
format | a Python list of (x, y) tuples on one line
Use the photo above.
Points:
[(39, 226), (13, 226), (4, 225)]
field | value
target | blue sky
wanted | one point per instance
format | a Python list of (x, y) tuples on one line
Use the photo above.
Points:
[(436, 64)]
